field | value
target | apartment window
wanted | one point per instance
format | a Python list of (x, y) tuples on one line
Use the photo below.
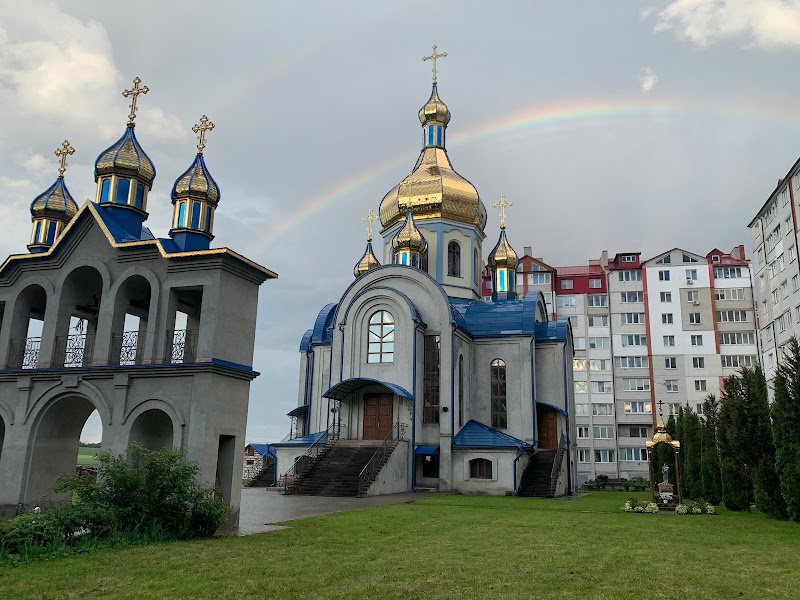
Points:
[(663, 275), (732, 316), (666, 318), (599, 364), (666, 296), (583, 432), (633, 318), (691, 274), (715, 258), (630, 297), (573, 321), (595, 283), (598, 320), (602, 410), (596, 300), (431, 354), (785, 197), (633, 454), (735, 294), (579, 343), (699, 362), (565, 301), (601, 387), (629, 258), (634, 340), (669, 340), (731, 272), (693, 296), (638, 408), (581, 387), (672, 385), (697, 340), (640, 432), (670, 362), (699, 385), (631, 362), (792, 253), (566, 284), (689, 259), (581, 410), (694, 318), (794, 283), (635, 384), (785, 288), (664, 260), (774, 297), (604, 456), (720, 294), (737, 337), (781, 263), (538, 278), (583, 455), (578, 364), (599, 342), (630, 275), (674, 407), (700, 408), (603, 432)]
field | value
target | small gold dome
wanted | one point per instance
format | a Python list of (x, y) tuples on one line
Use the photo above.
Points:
[(368, 262), (126, 157), (196, 182), (661, 435), (55, 202), (409, 237), (503, 255), (434, 110)]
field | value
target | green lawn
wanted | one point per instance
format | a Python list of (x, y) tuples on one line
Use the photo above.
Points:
[(453, 547), (87, 457)]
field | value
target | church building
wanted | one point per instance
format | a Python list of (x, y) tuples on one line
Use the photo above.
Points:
[(410, 380)]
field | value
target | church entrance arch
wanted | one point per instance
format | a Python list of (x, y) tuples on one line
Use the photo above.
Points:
[(547, 421), (54, 446), (152, 429)]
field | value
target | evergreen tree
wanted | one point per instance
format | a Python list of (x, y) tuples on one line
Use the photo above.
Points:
[(709, 451), (761, 449), (786, 428), (737, 483), (690, 450)]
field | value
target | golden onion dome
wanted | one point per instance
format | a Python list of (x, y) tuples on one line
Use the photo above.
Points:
[(126, 157), (409, 237), (367, 262), (434, 110), (661, 436), (55, 202), (196, 182), (503, 255)]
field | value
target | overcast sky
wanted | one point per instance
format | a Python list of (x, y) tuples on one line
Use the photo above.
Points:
[(618, 125)]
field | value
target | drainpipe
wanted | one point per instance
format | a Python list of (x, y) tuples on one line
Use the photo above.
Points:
[(533, 392), (452, 383), (566, 416), (414, 412), (519, 455)]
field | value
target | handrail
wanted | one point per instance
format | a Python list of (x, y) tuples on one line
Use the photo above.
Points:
[(374, 464), (291, 476), (559, 457)]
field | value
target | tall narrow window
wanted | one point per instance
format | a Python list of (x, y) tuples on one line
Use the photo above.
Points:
[(139, 195), (476, 266), (195, 215), (207, 227), (460, 391), (51, 232), (123, 187), (381, 338), (104, 190), (37, 232), (182, 215), (454, 259), (498, 382), (430, 413)]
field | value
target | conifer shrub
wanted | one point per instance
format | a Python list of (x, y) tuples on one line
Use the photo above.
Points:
[(786, 429)]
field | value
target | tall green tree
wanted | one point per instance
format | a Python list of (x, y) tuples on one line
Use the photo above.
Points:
[(709, 451), (786, 428), (737, 482), (689, 436)]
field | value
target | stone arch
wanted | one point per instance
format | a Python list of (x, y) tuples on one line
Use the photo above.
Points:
[(30, 304), (134, 298), (138, 418), (81, 292)]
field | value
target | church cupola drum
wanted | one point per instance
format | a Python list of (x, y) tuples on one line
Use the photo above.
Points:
[(503, 259), (409, 245), (54, 208), (195, 197)]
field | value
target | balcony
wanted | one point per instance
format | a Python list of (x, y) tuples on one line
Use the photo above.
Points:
[(181, 346), (127, 348), (74, 350), (24, 353)]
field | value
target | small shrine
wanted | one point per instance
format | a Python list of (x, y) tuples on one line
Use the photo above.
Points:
[(664, 493)]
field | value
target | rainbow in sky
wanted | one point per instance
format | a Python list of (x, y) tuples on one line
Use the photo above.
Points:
[(526, 122)]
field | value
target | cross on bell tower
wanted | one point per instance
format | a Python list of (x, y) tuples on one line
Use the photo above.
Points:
[(502, 205), (201, 128), (135, 93), (62, 152), (434, 57)]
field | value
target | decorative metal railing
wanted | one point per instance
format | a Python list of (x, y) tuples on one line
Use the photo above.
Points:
[(74, 350), (24, 353), (289, 480), (375, 464), (181, 346), (557, 460), (127, 348)]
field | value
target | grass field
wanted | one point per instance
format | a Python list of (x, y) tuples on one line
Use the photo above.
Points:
[(453, 547), (87, 457)]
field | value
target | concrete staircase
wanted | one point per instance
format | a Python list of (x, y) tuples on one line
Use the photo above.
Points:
[(536, 480), (336, 471), (265, 477)]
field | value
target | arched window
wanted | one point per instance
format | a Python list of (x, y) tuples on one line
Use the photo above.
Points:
[(498, 382), (454, 259), (381, 338), (480, 468)]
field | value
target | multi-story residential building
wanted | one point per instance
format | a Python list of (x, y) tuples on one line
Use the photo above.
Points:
[(776, 281), (535, 275)]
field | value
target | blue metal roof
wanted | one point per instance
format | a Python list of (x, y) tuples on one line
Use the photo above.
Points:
[(552, 331), (342, 390), (305, 440), (305, 341), (478, 435), (115, 228), (426, 450), (492, 319), (262, 449), (296, 412), (322, 334)]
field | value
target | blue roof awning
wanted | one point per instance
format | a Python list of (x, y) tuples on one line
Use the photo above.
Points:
[(479, 436), (343, 389), (426, 450), (296, 412)]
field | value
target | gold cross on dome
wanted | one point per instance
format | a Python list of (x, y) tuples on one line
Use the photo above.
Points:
[(135, 93), (200, 129), (502, 205), (368, 220), (62, 153), (434, 57)]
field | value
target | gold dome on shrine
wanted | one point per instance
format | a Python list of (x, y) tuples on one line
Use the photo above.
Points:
[(503, 255), (661, 436), (367, 262)]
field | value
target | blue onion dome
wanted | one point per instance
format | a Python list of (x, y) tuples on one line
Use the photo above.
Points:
[(55, 203), (367, 262), (196, 182), (434, 109), (503, 255), (126, 157), (409, 237)]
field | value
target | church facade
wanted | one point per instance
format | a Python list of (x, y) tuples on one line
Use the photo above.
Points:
[(463, 393)]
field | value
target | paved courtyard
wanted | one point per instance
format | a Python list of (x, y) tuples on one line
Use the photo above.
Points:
[(261, 508)]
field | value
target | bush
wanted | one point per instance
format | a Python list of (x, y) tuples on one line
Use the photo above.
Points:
[(638, 484), (695, 508), (640, 505)]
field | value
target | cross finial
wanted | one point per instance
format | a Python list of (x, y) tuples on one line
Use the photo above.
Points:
[(62, 152), (502, 205), (434, 57), (661, 408), (368, 220), (200, 129), (135, 93)]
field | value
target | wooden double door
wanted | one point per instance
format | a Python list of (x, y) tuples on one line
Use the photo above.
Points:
[(377, 416), (548, 427)]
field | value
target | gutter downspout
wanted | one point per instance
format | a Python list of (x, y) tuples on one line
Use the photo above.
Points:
[(519, 455), (566, 414), (413, 459), (534, 433)]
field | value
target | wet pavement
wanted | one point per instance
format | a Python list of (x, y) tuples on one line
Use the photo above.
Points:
[(261, 508)]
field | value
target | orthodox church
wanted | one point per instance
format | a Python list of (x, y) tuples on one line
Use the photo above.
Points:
[(410, 378)]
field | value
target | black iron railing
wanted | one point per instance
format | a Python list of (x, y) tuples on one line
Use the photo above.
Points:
[(181, 346), (292, 477), (74, 350), (24, 353), (375, 464), (557, 460), (127, 348)]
